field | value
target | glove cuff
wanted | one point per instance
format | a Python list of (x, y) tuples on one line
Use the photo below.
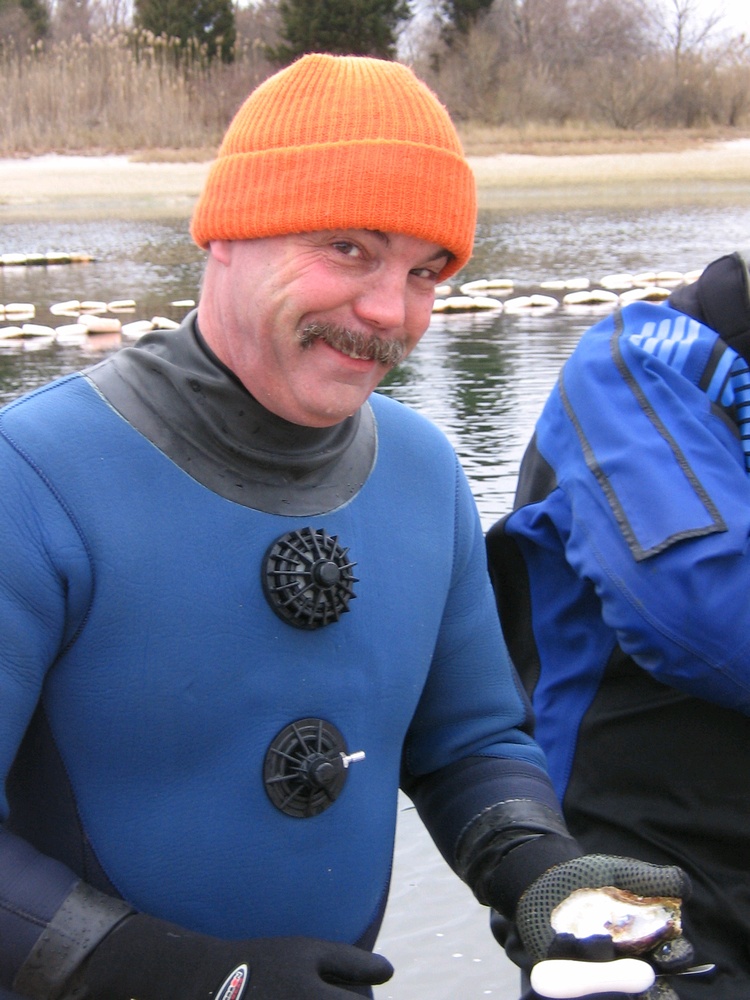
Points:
[(507, 846), (84, 919), (505, 886)]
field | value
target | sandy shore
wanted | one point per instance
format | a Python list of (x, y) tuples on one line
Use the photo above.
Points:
[(116, 186), (97, 186), (717, 172)]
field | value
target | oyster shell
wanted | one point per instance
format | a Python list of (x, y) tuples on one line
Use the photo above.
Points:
[(635, 923)]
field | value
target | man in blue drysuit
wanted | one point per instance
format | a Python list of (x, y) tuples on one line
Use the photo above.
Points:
[(622, 578), (242, 599)]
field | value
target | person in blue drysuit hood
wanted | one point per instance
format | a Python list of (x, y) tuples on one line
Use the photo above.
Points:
[(622, 578), (243, 598)]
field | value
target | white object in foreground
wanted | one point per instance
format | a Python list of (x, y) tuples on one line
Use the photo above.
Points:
[(561, 979)]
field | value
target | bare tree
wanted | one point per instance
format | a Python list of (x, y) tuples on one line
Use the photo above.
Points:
[(686, 32), (616, 62), (259, 23), (610, 28), (115, 15), (686, 35), (624, 93), (734, 81)]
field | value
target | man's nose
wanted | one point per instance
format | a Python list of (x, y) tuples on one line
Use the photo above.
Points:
[(382, 301)]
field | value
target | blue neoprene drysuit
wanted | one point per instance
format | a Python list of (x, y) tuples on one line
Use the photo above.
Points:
[(144, 674), (622, 577)]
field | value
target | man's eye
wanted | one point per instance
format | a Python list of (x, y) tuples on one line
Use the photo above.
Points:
[(426, 272), (350, 249)]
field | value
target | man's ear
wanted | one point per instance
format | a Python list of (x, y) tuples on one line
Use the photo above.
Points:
[(220, 250)]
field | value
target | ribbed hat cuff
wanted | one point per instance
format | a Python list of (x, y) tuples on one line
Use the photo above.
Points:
[(388, 185)]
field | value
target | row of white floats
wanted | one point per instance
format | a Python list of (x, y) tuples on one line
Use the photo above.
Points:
[(51, 257), (95, 317), (610, 291), (89, 319)]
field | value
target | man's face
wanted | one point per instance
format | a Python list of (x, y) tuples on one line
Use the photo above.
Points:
[(311, 323)]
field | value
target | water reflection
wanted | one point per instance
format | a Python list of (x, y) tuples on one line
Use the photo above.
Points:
[(483, 379), (533, 246)]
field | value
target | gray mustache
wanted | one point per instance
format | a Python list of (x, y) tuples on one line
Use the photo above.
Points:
[(365, 347)]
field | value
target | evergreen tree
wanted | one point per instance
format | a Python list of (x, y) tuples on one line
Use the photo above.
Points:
[(460, 16), (343, 27), (208, 22), (28, 18)]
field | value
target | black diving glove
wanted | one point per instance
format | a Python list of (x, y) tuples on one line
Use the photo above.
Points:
[(594, 871), (143, 958)]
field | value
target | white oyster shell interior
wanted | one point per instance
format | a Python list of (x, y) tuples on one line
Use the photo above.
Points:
[(633, 922)]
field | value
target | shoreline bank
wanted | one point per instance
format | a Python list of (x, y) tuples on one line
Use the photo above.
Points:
[(90, 187)]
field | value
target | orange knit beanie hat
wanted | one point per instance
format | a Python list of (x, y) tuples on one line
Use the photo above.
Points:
[(335, 142)]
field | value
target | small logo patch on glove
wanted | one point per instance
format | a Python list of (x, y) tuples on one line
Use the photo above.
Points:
[(234, 985)]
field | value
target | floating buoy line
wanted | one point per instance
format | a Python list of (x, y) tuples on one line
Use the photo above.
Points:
[(88, 318), (609, 292), (43, 259)]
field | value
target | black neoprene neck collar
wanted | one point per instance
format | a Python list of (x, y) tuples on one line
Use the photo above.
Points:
[(173, 389)]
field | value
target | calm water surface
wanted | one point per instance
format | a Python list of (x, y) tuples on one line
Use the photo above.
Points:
[(481, 378)]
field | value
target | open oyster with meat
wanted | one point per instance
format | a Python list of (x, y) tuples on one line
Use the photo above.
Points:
[(636, 924)]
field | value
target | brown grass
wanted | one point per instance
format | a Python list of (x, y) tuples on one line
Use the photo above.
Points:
[(189, 154), (586, 140)]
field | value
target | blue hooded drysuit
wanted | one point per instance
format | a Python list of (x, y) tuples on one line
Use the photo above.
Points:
[(623, 580)]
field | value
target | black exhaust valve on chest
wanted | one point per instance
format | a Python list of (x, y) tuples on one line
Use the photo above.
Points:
[(306, 766), (308, 579)]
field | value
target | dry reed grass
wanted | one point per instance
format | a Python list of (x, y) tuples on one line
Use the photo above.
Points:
[(110, 95), (123, 94)]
